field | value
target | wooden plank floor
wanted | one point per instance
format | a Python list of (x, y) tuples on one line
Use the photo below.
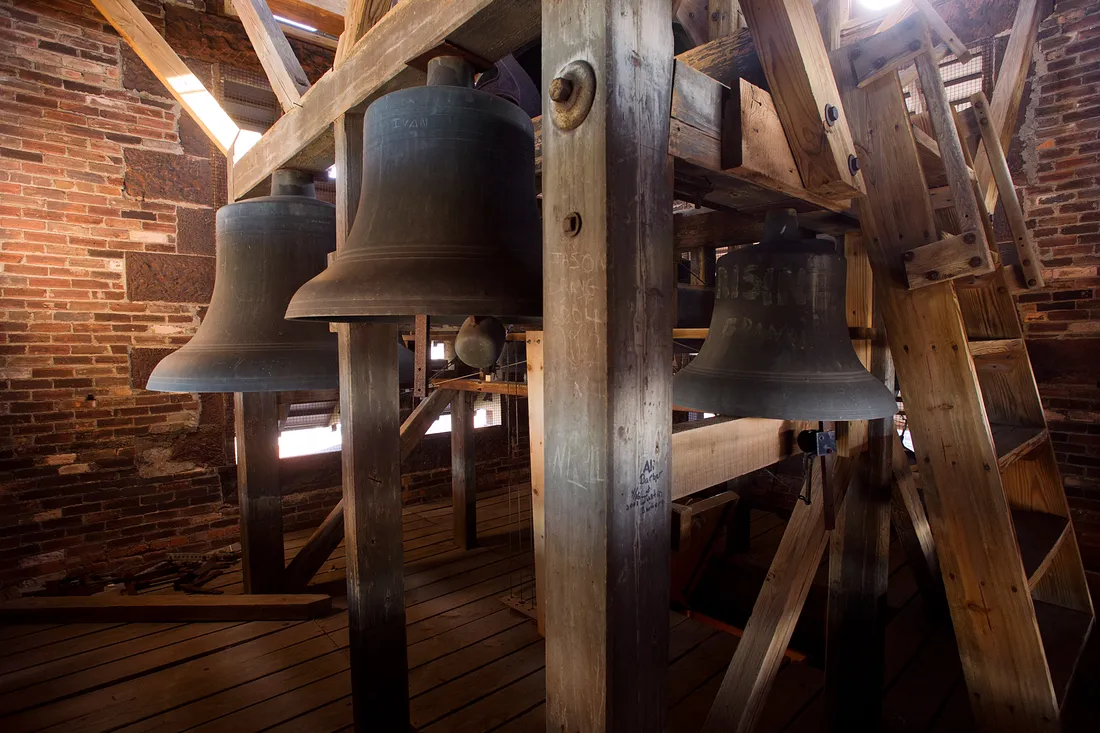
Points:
[(475, 665)]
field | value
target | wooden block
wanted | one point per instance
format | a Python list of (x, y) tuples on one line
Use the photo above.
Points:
[(887, 52), (150, 608), (961, 255)]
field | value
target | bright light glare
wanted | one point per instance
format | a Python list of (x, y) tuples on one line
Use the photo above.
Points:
[(309, 441), (878, 4), (296, 24), (439, 351)]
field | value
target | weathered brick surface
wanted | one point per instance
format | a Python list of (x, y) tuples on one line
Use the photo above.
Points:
[(101, 178), (195, 231), (169, 278), (1056, 165)]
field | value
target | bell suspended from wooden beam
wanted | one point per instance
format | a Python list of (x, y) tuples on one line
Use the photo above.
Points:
[(778, 345), (266, 248), (447, 223)]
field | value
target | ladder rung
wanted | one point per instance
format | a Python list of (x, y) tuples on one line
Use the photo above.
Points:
[(1039, 536), (997, 354), (1065, 633), (1015, 441)]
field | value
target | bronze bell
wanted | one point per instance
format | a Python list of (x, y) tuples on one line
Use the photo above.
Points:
[(266, 248), (480, 342), (778, 345), (447, 223)]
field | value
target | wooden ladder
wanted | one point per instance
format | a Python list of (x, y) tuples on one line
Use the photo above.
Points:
[(1012, 569)]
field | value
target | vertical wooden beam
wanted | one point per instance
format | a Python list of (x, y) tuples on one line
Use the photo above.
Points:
[(423, 339), (792, 52), (535, 418), (859, 568), (256, 421), (288, 79), (725, 18), (463, 471), (910, 522), (750, 675), (359, 17), (831, 16), (607, 303), (370, 420)]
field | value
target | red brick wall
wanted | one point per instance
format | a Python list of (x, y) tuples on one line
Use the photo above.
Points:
[(1056, 161), (107, 193)]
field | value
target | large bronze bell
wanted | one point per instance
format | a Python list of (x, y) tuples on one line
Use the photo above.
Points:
[(266, 248), (778, 344), (447, 223)]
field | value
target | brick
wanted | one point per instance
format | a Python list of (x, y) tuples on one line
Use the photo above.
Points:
[(195, 231), (169, 278), (167, 177)]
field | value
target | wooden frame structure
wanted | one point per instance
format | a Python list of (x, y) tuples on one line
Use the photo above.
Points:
[(829, 131)]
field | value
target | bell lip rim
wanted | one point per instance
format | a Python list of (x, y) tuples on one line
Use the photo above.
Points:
[(191, 386), (876, 406)]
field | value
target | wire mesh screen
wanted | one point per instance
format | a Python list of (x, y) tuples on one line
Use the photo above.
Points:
[(960, 80)]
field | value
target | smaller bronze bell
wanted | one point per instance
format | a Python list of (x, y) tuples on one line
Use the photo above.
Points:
[(778, 344), (480, 342), (266, 248)]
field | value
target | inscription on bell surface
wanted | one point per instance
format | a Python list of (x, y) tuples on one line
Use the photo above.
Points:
[(751, 282)]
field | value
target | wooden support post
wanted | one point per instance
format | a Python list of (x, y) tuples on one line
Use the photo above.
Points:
[(369, 415), (911, 525), (359, 17), (943, 30), (535, 417), (463, 471), (607, 306), (725, 18), (256, 420), (774, 615), (423, 348), (284, 71), (859, 568)]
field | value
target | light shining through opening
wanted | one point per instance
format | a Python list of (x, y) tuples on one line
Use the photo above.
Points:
[(295, 24), (878, 4)]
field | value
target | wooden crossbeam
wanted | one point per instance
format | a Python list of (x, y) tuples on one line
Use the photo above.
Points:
[(284, 71), (898, 13), (1008, 91), (167, 66), (886, 52), (302, 138), (752, 670), (792, 52), (312, 555), (324, 15)]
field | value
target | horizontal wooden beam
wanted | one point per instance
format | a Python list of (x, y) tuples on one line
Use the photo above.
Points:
[(302, 138), (515, 389), (707, 452), (177, 607), (324, 15), (706, 228)]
